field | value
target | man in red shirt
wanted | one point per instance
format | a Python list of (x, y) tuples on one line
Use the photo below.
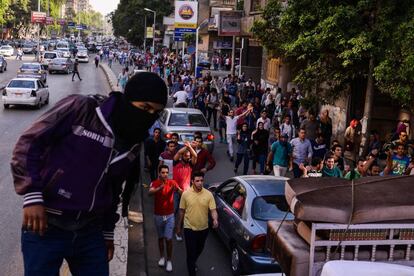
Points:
[(184, 161), (163, 191), (203, 157)]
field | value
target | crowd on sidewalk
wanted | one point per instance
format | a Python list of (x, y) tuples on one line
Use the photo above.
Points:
[(266, 130)]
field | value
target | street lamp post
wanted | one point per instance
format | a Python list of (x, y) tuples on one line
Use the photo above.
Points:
[(153, 28), (202, 25), (38, 33)]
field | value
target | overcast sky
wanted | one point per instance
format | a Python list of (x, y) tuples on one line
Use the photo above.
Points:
[(104, 6)]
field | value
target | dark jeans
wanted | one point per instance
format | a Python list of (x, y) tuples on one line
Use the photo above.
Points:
[(75, 73), (296, 171), (243, 157), (261, 159), (84, 250), (130, 185), (212, 111), (194, 244)]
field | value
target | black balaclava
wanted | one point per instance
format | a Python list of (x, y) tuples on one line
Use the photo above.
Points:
[(130, 123)]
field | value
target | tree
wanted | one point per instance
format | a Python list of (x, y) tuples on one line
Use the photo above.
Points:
[(331, 44), (128, 19)]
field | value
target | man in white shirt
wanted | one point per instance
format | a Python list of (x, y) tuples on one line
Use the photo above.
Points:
[(265, 120), (231, 130), (288, 128), (180, 98)]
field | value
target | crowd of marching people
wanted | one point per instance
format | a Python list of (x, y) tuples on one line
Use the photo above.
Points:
[(266, 131)]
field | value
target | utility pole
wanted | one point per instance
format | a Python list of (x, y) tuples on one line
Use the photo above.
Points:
[(233, 49), (38, 33), (153, 29), (145, 34)]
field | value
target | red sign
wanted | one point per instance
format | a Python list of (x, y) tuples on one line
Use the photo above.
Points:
[(50, 20), (38, 17)]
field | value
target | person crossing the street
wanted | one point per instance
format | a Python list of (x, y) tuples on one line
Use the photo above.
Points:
[(76, 70), (163, 191), (195, 205)]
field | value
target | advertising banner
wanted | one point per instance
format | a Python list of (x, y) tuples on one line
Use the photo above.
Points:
[(230, 23), (150, 33), (50, 20), (186, 14), (38, 17)]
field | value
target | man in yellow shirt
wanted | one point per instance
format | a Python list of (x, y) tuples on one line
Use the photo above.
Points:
[(194, 206)]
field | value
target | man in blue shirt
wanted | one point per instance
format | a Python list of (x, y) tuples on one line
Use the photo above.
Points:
[(280, 156), (397, 164)]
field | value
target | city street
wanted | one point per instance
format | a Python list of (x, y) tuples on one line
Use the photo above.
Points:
[(12, 123)]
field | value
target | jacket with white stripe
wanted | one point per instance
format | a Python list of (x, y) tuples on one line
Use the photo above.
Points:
[(67, 162)]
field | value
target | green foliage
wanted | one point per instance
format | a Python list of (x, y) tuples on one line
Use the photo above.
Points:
[(329, 43), (128, 19)]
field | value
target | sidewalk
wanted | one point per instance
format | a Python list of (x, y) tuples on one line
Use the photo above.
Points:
[(129, 239)]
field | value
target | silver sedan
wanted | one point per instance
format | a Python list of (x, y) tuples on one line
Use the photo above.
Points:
[(64, 65), (186, 122)]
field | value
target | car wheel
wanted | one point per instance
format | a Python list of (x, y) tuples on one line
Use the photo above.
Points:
[(39, 104), (47, 100), (1, 70), (50, 72), (235, 261), (6, 106)]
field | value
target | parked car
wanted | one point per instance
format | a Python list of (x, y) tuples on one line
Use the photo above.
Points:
[(25, 91), (48, 56), (63, 65), (32, 70), (185, 122), (6, 50), (3, 64), (82, 54), (244, 205)]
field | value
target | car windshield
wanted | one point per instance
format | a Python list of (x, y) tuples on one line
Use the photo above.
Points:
[(81, 48), (187, 119), (27, 46), (28, 66), (269, 207), (5, 47), (49, 55), (21, 84), (60, 60)]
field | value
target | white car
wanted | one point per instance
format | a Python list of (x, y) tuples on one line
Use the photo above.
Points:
[(65, 52), (82, 54), (25, 91), (48, 56), (6, 50)]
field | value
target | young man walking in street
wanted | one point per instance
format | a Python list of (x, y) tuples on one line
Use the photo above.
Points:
[(69, 167), (76, 70), (301, 152), (231, 125), (184, 161), (195, 205), (163, 191), (153, 148)]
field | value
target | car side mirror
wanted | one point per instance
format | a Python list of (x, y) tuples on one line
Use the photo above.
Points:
[(212, 189)]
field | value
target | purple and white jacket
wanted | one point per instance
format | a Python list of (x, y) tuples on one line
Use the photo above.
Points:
[(66, 161)]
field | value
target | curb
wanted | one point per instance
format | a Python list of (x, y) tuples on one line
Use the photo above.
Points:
[(135, 245), (110, 76)]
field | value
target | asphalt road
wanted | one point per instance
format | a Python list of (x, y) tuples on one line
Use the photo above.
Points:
[(215, 259), (12, 123)]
